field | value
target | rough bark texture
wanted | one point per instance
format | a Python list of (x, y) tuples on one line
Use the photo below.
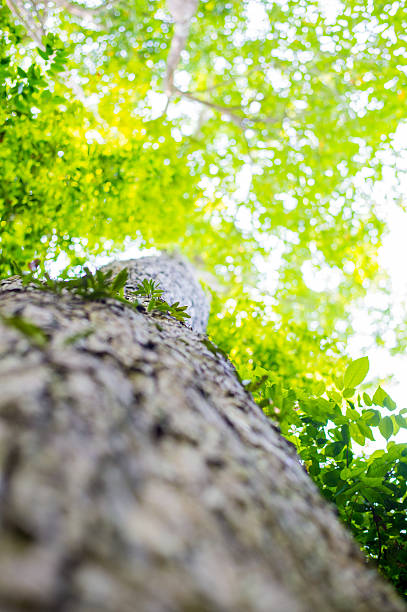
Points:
[(137, 475), (176, 278)]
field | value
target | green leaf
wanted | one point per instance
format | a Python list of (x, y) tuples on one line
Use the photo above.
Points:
[(334, 396), (367, 399), (334, 448), (351, 472), (356, 434), (331, 478), (389, 403), (338, 380), (347, 393), (120, 280), (376, 455), (365, 430), (319, 388), (30, 330), (372, 417), (352, 414), (345, 433), (386, 427), (379, 396), (402, 469), (378, 468), (401, 421), (314, 469), (44, 54), (396, 426), (356, 372)]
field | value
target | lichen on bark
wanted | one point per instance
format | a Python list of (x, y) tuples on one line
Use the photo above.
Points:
[(138, 475)]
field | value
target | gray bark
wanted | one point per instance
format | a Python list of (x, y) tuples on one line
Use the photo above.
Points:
[(137, 475), (176, 277)]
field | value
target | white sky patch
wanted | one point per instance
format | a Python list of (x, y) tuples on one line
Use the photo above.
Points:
[(320, 277), (289, 203), (156, 103), (393, 253), (182, 79), (331, 9), (94, 136), (258, 23), (243, 181)]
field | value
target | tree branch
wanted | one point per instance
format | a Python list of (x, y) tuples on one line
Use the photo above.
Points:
[(20, 12), (83, 12), (379, 537), (34, 20), (182, 12), (232, 79), (222, 109), (241, 121)]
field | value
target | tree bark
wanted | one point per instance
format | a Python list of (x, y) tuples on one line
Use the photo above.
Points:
[(137, 474)]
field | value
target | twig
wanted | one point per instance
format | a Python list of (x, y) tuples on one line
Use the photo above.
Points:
[(222, 109), (182, 11), (83, 12), (376, 522), (24, 16), (226, 82), (241, 121)]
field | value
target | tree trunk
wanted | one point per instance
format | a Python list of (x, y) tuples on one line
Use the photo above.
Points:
[(137, 474)]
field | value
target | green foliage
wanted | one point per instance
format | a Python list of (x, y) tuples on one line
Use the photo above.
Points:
[(303, 115), (31, 331), (150, 289), (65, 175), (356, 373), (79, 335), (329, 428), (301, 380), (102, 285), (92, 286)]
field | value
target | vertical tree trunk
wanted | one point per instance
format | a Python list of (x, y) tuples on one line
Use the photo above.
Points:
[(137, 475)]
